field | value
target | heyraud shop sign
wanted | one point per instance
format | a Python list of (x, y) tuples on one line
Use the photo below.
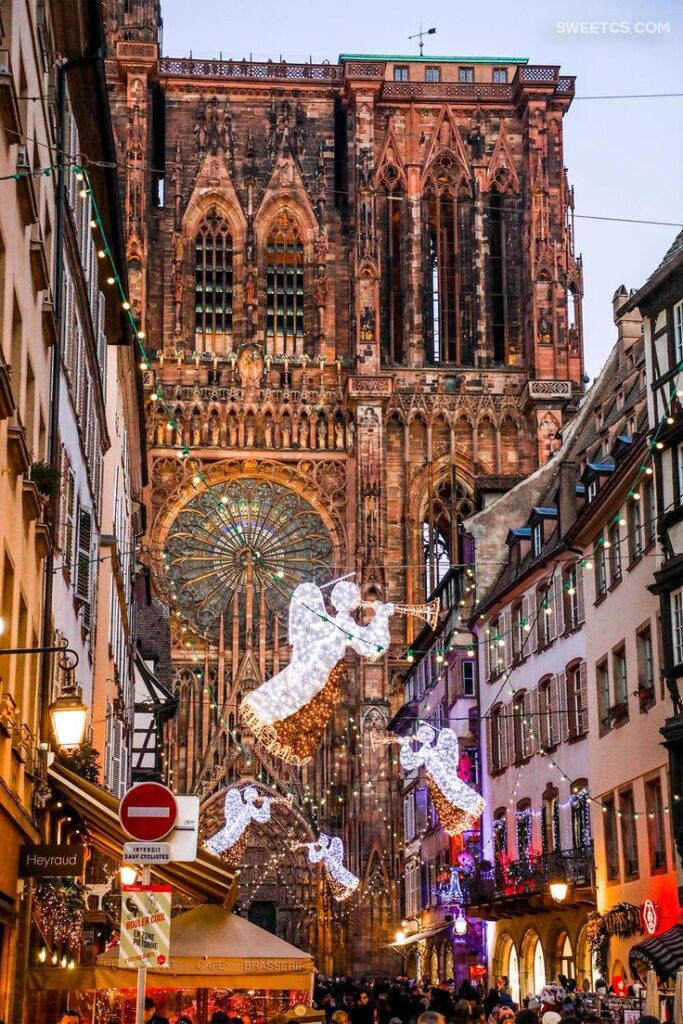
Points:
[(51, 861)]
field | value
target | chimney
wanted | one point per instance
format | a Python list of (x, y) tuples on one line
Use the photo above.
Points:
[(566, 502), (629, 326)]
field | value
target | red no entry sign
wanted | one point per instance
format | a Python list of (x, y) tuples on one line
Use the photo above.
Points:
[(148, 811)]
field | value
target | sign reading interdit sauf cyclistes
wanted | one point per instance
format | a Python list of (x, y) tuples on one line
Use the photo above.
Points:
[(145, 926)]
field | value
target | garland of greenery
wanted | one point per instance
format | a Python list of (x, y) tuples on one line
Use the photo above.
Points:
[(623, 920)]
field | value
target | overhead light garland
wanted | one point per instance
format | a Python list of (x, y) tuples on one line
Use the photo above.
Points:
[(289, 713), (329, 850), (242, 807), (457, 804)]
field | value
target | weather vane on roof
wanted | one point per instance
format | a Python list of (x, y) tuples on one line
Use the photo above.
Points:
[(419, 35)]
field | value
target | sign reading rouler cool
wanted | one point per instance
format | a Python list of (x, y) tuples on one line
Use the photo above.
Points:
[(145, 926), (51, 861)]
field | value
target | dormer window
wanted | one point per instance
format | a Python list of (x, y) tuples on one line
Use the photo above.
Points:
[(592, 490), (620, 400), (537, 538)]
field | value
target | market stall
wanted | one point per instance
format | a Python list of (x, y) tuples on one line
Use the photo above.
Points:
[(213, 952)]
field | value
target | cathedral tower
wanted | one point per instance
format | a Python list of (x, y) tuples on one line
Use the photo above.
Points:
[(359, 289)]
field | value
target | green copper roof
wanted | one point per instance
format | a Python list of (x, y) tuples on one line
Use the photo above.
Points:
[(429, 59)]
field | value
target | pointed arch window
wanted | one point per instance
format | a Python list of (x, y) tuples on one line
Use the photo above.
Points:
[(391, 213), (285, 285), (443, 540), (449, 284), (213, 275), (503, 261)]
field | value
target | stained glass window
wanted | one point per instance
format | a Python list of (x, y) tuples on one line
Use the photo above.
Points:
[(285, 284), (213, 276), (250, 537)]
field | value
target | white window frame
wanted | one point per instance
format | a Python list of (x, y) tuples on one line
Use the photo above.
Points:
[(676, 605), (678, 331)]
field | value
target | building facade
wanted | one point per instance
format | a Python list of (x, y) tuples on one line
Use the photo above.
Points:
[(27, 214), (365, 310), (71, 407), (434, 937), (660, 302), (569, 644), (628, 700)]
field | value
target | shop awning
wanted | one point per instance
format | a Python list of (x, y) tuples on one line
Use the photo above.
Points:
[(206, 880), (663, 953), (210, 948)]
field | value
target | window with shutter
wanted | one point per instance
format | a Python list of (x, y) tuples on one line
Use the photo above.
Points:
[(558, 603), (409, 816), (69, 521), (545, 724), (492, 745), (562, 711), (555, 709), (534, 725), (507, 735), (84, 563), (506, 633), (580, 593), (532, 631), (108, 745), (117, 735), (582, 717), (421, 801)]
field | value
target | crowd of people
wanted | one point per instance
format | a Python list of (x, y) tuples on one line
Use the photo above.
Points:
[(400, 1001)]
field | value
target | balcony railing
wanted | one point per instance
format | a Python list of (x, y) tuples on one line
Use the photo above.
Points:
[(247, 69), (530, 876)]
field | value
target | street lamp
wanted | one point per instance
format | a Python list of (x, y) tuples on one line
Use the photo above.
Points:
[(557, 883), (69, 716), (400, 937), (460, 924), (129, 875)]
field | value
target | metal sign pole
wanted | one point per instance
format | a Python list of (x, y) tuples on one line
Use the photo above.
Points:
[(142, 969)]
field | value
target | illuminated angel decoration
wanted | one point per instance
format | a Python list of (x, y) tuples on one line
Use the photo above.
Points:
[(457, 804), (289, 712), (242, 807), (330, 851)]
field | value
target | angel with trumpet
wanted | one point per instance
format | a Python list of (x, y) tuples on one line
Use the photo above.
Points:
[(289, 712), (329, 851), (243, 807), (458, 805)]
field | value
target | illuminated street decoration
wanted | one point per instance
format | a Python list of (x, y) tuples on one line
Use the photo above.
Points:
[(458, 805), (330, 851), (242, 807), (245, 542), (289, 712)]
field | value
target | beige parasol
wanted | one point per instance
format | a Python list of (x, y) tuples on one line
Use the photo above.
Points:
[(651, 995), (210, 948)]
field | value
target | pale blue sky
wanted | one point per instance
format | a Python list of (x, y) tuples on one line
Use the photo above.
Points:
[(625, 156)]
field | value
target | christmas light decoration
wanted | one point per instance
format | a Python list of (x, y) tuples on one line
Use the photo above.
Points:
[(458, 805), (289, 712), (329, 850), (242, 807)]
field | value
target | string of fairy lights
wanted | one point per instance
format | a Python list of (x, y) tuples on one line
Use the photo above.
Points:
[(199, 480)]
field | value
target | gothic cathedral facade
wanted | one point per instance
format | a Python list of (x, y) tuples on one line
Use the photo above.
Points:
[(358, 289)]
